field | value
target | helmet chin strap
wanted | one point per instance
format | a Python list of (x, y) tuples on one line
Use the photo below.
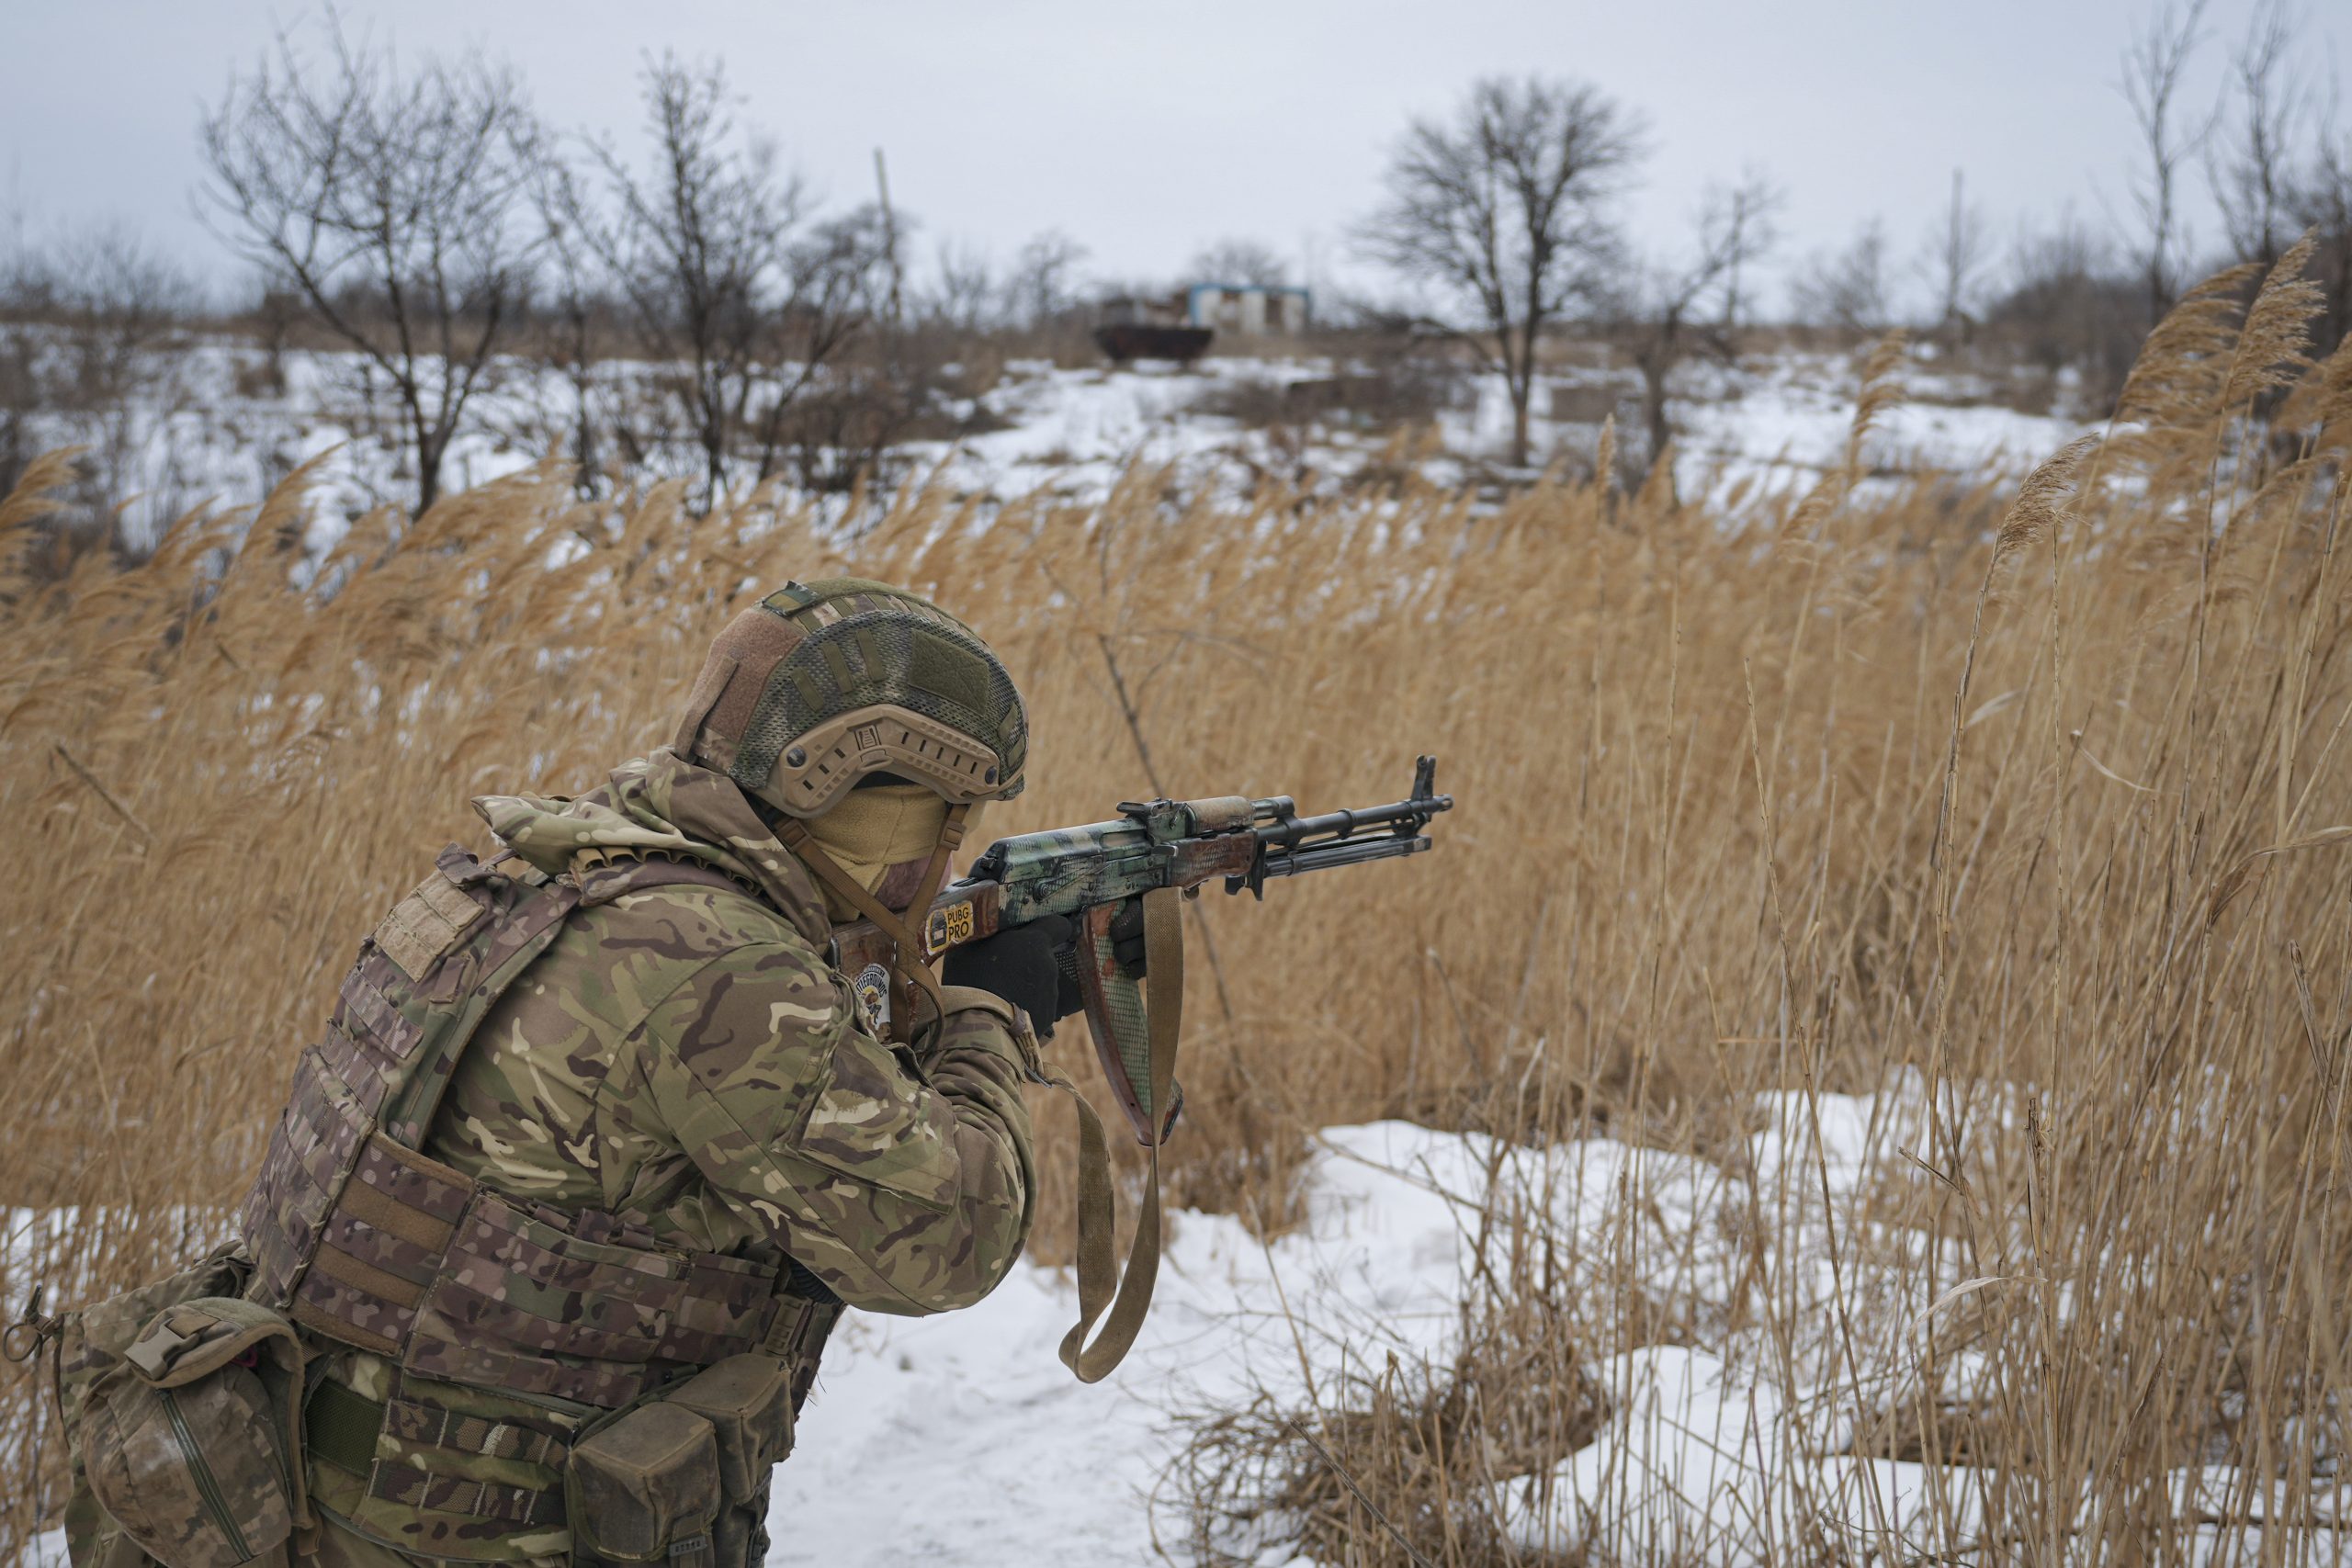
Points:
[(907, 970)]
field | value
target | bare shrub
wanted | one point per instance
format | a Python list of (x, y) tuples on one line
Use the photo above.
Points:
[(1692, 303), (91, 332), (2070, 308), (1847, 289), (1401, 1460), (2251, 162), (1240, 261)]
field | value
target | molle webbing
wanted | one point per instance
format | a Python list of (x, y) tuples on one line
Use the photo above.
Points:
[(520, 1507), (527, 1301), (383, 1244), (362, 1240), (410, 1451), (399, 1025)]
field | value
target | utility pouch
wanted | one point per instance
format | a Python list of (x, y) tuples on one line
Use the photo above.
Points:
[(748, 1402), (645, 1488), (192, 1444)]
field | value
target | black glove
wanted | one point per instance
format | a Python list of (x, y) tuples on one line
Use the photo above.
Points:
[(1021, 964), (1126, 940)]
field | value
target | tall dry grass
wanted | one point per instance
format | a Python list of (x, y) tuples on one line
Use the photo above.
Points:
[(2039, 794)]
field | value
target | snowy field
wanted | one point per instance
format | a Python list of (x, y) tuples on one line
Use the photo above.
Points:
[(210, 427), (1728, 1451), (961, 1439)]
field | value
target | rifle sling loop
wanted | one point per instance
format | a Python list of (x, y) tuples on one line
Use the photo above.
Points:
[(1102, 1283), (1163, 941)]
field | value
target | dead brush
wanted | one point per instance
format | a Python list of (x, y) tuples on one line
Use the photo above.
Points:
[(1404, 1463)]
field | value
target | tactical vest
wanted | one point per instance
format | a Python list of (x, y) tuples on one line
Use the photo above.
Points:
[(362, 1240)]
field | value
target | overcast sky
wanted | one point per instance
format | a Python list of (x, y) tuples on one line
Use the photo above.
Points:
[(1147, 131)]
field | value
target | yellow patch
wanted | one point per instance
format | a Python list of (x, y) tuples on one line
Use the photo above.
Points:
[(948, 927)]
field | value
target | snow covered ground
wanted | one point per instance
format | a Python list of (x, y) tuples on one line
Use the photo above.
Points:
[(1730, 1450), (1018, 1463), (961, 1439), (213, 422)]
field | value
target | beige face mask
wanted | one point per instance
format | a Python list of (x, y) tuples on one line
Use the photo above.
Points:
[(870, 830)]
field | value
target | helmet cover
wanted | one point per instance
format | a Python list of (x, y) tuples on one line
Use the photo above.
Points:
[(824, 683)]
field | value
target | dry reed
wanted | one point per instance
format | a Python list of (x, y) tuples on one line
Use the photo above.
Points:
[(1787, 800)]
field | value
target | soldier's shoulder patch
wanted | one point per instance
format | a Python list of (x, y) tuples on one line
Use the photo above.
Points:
[(873, 987)]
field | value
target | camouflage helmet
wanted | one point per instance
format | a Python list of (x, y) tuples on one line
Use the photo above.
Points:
[(821, 683)]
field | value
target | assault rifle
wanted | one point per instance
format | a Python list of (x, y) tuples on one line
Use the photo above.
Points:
[(1091, 874), (1154, 854)]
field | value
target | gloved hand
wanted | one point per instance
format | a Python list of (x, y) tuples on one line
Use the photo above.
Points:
[(1020, 964), (1126, 940)]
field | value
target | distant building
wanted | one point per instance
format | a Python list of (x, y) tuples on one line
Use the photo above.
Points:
[(1248, 309), (1179, 326), (1144, 311), (1137, 327)]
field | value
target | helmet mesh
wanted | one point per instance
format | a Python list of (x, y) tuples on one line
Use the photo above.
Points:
[(886, 648)]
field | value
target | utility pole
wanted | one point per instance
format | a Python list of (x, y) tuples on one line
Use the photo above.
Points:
[(890, 234)]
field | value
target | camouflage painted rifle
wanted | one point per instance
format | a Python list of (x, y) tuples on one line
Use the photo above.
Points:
[(1091, 874)]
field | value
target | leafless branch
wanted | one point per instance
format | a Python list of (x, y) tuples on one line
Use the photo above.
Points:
[(1506, 212)]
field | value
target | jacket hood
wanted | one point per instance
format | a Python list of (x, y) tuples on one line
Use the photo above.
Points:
[(662, 803)]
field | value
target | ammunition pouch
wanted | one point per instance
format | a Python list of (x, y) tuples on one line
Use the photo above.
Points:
[(645, 1488), (684, 1474)]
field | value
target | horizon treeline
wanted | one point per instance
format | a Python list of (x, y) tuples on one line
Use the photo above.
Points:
[(706, 313)]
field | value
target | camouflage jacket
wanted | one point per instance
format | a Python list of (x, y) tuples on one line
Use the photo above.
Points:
[(684, 1057)]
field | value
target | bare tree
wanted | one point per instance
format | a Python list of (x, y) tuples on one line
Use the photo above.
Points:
[(964, 296), (2322, 204), (1240, 261), (1675, 310), (1848, 287), (93, 329), (724, 271), (395, 204), (1505, 211), (2252, 181), (838, 282), (1954, 260), (2153, 64), (1045, 276), (572, 308)]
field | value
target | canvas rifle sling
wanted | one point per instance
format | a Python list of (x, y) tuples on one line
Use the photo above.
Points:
[(1101, 1282), (1163, 944)]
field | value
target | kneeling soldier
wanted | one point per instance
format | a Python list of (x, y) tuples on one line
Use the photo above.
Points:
[(598, 1143)]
